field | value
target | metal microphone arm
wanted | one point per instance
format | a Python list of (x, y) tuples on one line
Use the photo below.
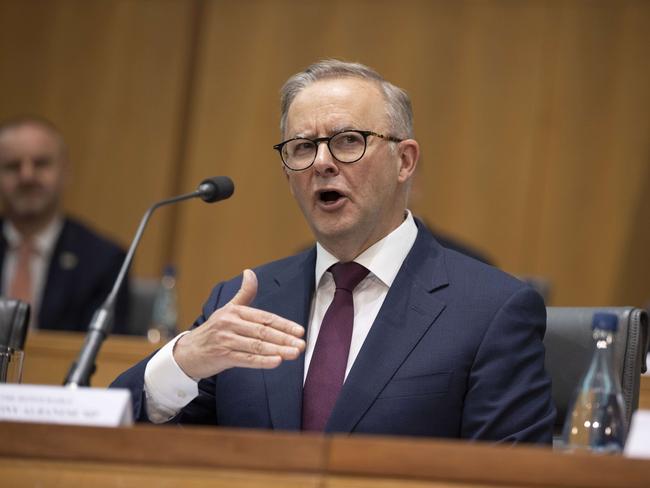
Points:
[(112, 296), (210, 190)]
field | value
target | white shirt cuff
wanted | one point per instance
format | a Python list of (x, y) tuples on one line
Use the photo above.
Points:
[(167, 388)]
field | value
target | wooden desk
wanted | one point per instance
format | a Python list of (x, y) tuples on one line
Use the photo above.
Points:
[(63, 456), (48, 356)]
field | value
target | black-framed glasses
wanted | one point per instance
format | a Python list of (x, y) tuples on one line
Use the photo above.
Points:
[(347, 146)]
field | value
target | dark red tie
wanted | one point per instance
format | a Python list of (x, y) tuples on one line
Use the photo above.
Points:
[(330, 357)]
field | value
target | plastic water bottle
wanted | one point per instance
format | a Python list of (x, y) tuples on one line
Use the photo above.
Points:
[(596, 420), (165, 313)]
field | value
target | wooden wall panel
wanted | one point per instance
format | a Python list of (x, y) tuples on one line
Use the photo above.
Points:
[(532, 116), (444, 56), (596, 154), (527, 113), (113, 76)]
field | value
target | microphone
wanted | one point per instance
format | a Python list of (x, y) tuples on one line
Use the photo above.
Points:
[(210, 190), (216, 188)]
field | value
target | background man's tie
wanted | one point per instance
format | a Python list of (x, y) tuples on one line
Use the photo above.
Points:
[(329, 361), (21, 284)]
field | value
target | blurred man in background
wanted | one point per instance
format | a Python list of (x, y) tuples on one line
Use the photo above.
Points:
[(55, 263)]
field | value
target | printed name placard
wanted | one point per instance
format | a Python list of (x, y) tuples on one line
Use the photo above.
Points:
[(97, 407)]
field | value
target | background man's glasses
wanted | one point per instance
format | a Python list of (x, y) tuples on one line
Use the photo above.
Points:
[(347, 146)]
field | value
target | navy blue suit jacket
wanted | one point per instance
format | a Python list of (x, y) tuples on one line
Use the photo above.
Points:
[(456, 351), (80, 276)]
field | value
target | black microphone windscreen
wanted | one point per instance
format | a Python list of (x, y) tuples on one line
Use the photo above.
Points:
[(216, 188)]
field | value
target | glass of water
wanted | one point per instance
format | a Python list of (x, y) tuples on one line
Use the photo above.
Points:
[(11, 365)]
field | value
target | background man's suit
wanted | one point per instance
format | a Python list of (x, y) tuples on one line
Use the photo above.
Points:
[(80, 276), (456, 351)]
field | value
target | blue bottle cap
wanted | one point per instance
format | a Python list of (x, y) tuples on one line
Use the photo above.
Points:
[(169, 270), (605, 321)]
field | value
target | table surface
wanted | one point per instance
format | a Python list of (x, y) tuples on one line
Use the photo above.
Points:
[(51, 455)]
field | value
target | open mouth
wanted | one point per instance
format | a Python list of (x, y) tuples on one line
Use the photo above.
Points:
[(329, 196)]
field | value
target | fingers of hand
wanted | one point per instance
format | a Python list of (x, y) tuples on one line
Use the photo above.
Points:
[(265, 340), (247, 360), (241, 336), (259, 347), (272, 321), (247, 290)]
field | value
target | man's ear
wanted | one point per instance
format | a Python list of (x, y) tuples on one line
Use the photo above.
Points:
[(285, 171), (287, 177), (409, 155)]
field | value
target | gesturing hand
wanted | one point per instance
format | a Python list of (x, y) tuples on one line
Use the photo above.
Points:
[(237, 335)]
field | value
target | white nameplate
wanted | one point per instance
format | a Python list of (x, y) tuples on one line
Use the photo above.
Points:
[(97, 407), (638, 440)]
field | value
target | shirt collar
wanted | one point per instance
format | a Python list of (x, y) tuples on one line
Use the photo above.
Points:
[(44, 241), (383, 259)]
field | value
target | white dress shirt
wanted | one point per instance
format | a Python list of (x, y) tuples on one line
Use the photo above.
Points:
[(168, 389), (39, 265)]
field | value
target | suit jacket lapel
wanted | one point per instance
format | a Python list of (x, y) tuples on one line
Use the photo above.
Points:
[(292, 300), (408, 311)]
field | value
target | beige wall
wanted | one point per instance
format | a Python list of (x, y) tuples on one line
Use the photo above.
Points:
[(532, 116)]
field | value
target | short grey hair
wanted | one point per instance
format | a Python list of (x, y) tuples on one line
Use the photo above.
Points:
[(399, 111)]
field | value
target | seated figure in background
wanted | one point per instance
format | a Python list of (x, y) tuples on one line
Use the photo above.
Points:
[(55, 263)]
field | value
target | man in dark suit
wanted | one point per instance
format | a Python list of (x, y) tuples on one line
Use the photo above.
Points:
[(403, 336), (61, 267)]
